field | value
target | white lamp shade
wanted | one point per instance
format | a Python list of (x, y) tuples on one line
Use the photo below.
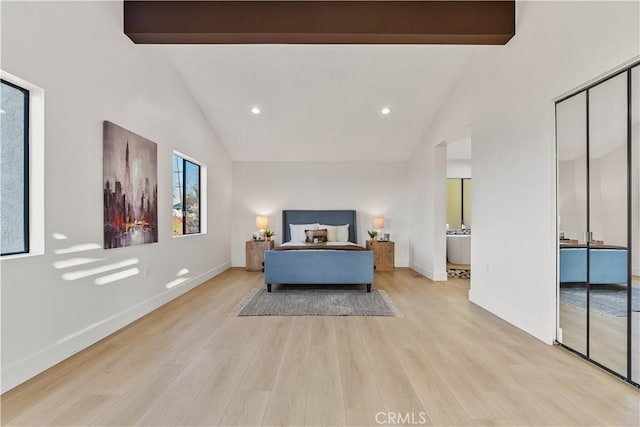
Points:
[(262, 222), (378, 222)]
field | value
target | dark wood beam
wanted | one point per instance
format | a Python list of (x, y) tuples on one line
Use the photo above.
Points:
[(320, 22)]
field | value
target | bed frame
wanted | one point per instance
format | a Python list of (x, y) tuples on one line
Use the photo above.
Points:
[(319, 267), (607, 266)]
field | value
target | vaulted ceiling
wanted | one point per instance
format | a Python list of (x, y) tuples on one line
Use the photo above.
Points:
[(320, 102), (367, 93)]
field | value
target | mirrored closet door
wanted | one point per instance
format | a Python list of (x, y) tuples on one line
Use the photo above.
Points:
[(598, 184), (634, 333)]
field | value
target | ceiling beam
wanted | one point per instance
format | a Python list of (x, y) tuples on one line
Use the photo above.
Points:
[(319, 22)]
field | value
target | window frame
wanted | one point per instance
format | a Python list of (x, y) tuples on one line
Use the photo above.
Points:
[(25, 170), (201, 209)]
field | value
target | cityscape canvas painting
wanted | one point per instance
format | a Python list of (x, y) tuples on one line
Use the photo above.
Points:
[(130, 190)]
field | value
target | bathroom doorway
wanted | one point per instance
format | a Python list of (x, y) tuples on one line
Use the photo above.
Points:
[(459, 207)]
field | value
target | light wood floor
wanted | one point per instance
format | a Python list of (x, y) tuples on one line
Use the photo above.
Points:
[(607, 338), (191, 363)]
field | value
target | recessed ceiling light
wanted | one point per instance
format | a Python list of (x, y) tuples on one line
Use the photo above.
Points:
[(255, 110), (386, 110)]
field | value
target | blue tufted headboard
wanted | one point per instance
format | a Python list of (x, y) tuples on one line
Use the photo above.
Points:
[(323, 217)]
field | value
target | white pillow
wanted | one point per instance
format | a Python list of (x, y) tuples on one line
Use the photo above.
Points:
[(336, 233), (297, 231), (332, 232)]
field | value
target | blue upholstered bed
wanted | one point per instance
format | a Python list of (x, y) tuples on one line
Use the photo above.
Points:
[(607, 266), (320, 267)]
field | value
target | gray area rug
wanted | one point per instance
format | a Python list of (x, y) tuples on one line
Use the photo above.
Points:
[(317, 302), (608, 302)]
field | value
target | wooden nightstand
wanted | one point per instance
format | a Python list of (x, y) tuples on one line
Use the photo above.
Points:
[(383, 254), (254, 251)]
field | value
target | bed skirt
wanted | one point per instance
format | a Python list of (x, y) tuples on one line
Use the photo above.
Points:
[(321, 267)]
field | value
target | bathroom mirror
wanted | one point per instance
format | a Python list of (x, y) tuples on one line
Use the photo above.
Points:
[(458, 203), (466, 202), (454, 203)]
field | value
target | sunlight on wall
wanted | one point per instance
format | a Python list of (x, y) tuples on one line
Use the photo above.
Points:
[(176, 282), (78, 248), (98, 270), (78, 261), (179, 280), (117, 276), (74, 262)]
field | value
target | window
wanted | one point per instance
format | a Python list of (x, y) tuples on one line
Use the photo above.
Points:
[(14, 169), (186, 196)]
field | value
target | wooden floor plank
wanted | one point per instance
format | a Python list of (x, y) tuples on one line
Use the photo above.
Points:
[(359, 389), (394, 385), (325, 401), (128, 409), (287, 403), (192, 363)]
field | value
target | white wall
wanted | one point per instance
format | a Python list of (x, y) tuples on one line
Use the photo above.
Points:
[(607, 195), (506, 98), (572, 202), (77, 52), (612, 182), (458, 168), (372, 189)]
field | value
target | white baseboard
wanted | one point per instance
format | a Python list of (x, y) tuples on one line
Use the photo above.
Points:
[(436, 276), (420, 269), (531, 326), (635, 271), (440, 276), (35, 363)]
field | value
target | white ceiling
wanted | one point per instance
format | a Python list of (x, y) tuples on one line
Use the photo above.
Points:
[(320, 102)]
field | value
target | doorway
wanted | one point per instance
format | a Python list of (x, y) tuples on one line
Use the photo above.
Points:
[(459, 207)]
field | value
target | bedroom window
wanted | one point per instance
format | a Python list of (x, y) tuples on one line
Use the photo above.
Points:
[(21, 167), (14, 157), (186, 196)]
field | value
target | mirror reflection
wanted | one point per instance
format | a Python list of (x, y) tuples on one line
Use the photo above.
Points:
[(635, 223), (571, 129), (598, 179), (608, 237)]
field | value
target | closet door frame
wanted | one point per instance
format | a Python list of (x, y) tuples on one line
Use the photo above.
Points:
[(627, 377)]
